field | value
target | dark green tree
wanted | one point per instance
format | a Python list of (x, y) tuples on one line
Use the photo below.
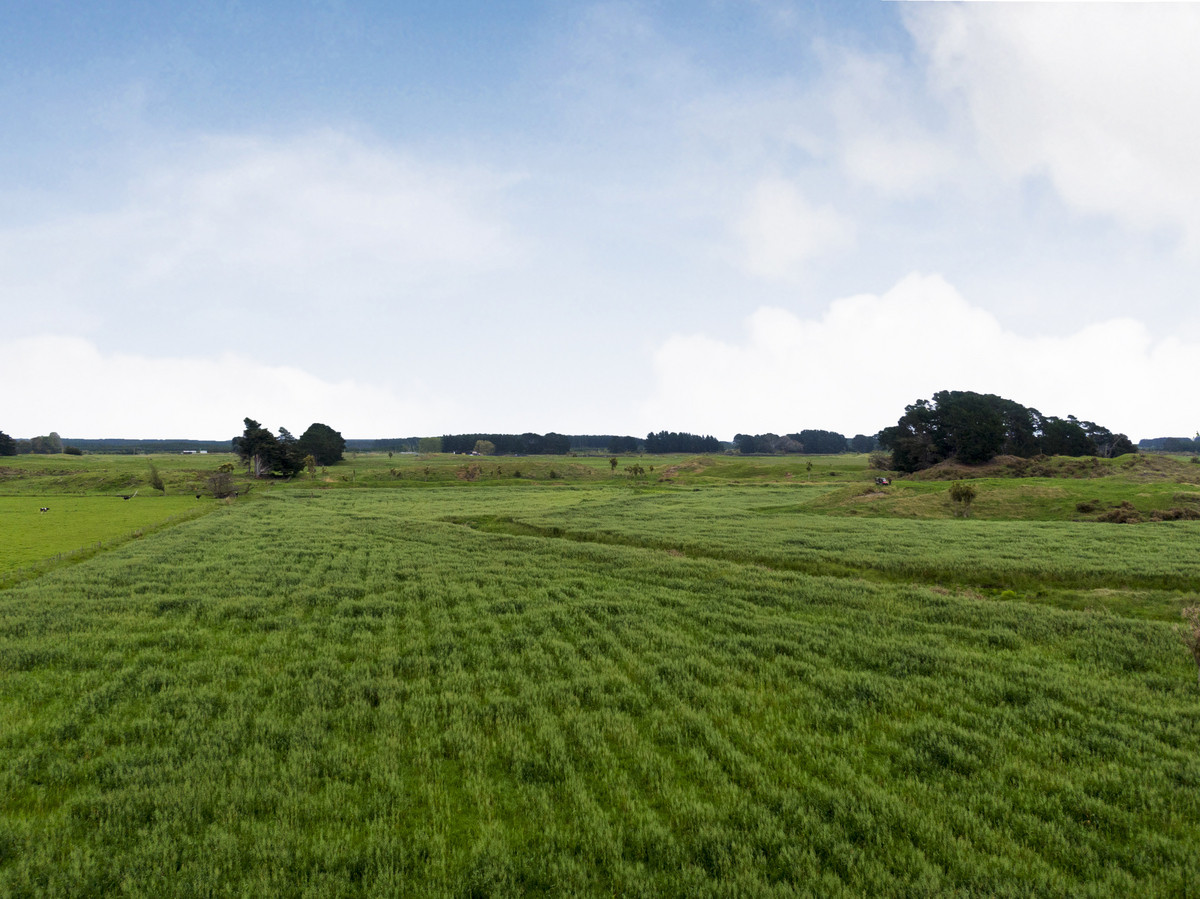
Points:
[(1066, 437), (256, 448), (8, 446), (1022, 429), (861, 443), (970, 426), (288, 459), (820, 443), (913, 439), (324, 444)]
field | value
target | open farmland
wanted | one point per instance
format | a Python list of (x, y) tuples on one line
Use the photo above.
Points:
[(729, 682)]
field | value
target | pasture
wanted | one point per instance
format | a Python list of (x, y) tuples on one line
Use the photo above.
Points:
[(78, 524), (718, 678)]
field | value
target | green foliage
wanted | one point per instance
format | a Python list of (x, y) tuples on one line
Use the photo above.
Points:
[(683, 442), (220, 484), (155, 480), (972, 428), (323, 443), (428, 445), (485, 447), (46, 445), (8, 446), (265, 454), (962, 494)]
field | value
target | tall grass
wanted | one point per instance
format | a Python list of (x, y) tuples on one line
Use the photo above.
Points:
[(353, 694)]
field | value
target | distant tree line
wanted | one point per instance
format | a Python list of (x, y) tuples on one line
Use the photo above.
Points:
[(385, 445), (682, 442), (527, 444), (50, 443), (808, 442), (974, 427), (1170, 445), (266, 454), (122, 446), (609, 443)]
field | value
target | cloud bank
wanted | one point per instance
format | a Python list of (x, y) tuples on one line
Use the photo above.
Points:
[(1094, 98), (856, 367)]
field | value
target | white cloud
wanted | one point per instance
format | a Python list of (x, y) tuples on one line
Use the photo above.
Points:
[(274, 225), (1097, 98), (66, 384), (856, 368), (780, 230), (883, 141)]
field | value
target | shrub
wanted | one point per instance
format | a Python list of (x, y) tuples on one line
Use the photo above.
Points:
[(963, 494), (1125, 513), (220, 484)]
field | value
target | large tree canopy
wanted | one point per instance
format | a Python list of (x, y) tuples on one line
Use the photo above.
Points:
[(974, 427), (323, 443), (8, 446)]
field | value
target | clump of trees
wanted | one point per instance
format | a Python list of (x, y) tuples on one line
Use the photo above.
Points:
[(973, 428), (47, 444), (8, 446), (810, 441), (266, 454), (758, 444)]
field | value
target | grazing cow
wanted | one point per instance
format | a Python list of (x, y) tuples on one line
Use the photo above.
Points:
[(45, 509)]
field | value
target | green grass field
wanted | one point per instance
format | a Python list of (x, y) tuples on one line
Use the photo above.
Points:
[(719, 678)]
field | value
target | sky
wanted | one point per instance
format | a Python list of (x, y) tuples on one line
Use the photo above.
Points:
[(714, 216)]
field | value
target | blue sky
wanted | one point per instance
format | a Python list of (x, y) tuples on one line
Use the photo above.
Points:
[(735, 215)]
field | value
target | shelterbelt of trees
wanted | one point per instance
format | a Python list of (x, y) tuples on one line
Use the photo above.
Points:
[(267, 454), (973, 428)]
